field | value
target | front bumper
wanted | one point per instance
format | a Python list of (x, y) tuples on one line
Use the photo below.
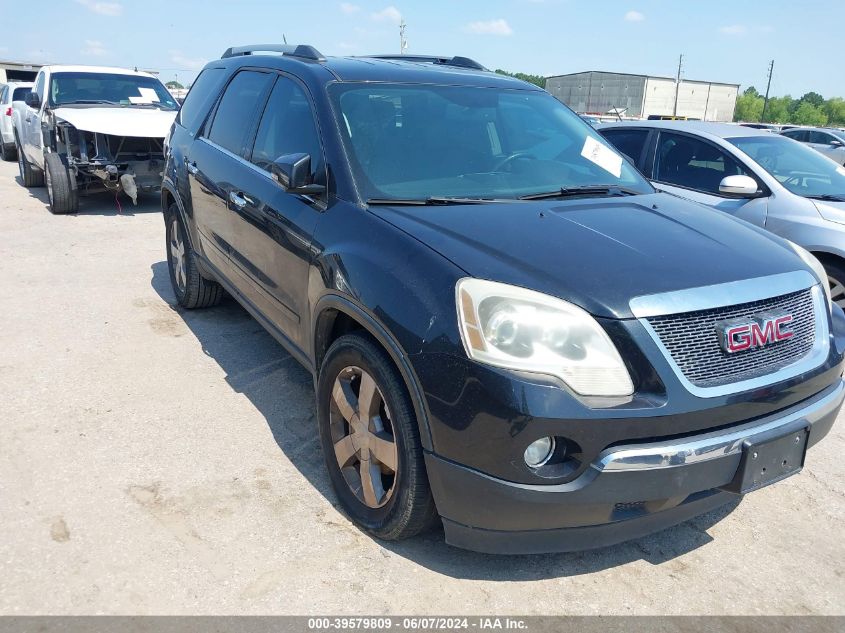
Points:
[(628, 490)]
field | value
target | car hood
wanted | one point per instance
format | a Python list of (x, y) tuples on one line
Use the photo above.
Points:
[(597, 253), (119, 121), (831, 210)]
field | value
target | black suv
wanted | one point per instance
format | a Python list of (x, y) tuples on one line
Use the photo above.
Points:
[(508, 328)]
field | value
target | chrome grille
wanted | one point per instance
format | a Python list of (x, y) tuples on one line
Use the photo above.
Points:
[(693, 343)]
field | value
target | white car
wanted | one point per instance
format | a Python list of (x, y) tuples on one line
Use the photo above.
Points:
[(90, 128), (12, 91), (827, 141)]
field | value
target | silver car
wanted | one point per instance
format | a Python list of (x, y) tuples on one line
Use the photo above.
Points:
[(828, 141), (763, 178)]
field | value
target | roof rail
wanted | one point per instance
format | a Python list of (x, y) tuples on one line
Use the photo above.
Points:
[(294, 50), (461, 62)]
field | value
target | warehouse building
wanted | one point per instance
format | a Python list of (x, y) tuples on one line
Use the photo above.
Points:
[(641, 96), (17, 71)]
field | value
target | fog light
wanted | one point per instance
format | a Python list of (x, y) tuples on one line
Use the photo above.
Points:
[(539, 451)]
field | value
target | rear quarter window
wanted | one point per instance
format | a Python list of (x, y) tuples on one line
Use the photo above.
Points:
[(200, 98), (20, 94)]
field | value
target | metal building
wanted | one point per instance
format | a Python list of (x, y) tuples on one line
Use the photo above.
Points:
[(17, 71), (641, 96)]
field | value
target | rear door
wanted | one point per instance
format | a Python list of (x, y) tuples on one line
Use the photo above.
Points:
[(215, 158), (271, 245), (693, 168), (632, 142), (827, 144)]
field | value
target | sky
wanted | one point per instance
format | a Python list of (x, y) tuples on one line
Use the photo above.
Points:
[(729, 41)]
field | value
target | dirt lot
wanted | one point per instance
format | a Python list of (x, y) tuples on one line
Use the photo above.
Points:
[(157, 461)]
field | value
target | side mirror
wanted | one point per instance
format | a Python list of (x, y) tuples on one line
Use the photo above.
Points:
[(835, 143), (738, 186), (33, 100), (293, 172)]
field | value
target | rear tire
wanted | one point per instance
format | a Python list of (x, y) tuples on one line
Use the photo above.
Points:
[(380, 477), (31, 176), (192, 290), (61, 185), (8, 152)]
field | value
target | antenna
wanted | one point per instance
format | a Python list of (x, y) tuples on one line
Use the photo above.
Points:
[(678, 85), (284, 39), (768, 85), (403, 43)]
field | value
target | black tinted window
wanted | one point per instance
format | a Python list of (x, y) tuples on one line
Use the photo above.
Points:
[(629, 142), (236, 111), (287, 127), (822, 138), (200, 97), (20, 94), (798, 135), (693, 163)]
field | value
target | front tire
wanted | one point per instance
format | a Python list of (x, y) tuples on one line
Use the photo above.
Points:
[(192, 290), (370, 439), (836, 277), (61, 185), (30, 176)]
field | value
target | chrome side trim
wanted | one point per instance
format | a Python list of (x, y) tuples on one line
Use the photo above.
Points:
[(815, 357), (720, 295), (701, 448)]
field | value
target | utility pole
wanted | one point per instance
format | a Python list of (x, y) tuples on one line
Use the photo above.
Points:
[(403, 43), (768, 85), (678, 84)]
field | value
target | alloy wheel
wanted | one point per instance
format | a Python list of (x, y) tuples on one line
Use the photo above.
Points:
[(362, 434), (177, 254), (837, 292)]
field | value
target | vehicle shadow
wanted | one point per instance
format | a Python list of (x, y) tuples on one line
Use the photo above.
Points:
[(102, 203), (282, 391)]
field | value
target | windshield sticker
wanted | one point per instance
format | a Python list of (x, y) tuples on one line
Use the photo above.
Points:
[(602, 156), (148, 95)]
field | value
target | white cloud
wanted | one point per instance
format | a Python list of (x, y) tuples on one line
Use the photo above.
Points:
[(349, 8), (634, 16), (489, 27), (95, 48), (187, 63), (733, 29), (388, 14), (103, 8)]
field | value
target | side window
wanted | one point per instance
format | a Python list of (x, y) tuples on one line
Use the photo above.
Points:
[(202, 94), (821, 138), (39, 86), (693, 163), (3, 93), (236, 110), (287, 127), (629, 142), (798, 135)]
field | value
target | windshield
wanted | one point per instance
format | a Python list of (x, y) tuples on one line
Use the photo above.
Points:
[(19, 94), (107, 88), (423, 141), (799, 168)]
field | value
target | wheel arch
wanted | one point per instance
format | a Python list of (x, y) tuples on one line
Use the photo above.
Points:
[(336, 315)]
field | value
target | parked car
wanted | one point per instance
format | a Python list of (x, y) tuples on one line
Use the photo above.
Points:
[(89, 128), (12, 91), (828, 141), (508, 327), (760, 177), (771, 127)]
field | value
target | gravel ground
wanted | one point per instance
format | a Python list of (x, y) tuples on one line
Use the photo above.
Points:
[(154, 461)]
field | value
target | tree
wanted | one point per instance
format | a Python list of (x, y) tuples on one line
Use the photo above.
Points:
[(808, 114), (174, 85), (537, 80), (749, 106), (778, 109), (813, 98), (751, 91), (835, 110)]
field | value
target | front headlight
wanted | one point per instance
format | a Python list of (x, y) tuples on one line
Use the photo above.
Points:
[(520, 329), (817, 267)]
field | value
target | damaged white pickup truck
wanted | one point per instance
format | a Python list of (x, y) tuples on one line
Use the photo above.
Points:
[(84, 129)]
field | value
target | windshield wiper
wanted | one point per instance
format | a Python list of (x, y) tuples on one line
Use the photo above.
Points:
[(154, 104), (86, 101), (430, 201), (587, 190), (829, 197)]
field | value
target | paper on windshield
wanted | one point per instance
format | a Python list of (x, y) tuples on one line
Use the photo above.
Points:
[(603, 156), (148, 95)]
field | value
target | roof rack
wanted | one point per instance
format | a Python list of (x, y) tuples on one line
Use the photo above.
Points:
[(294, 50), (460, 62)]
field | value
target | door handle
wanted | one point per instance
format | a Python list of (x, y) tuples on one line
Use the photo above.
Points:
[(28, 119), (192, 168), (237, 199)]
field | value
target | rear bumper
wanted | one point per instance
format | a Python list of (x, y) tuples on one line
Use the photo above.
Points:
[(628, 491)]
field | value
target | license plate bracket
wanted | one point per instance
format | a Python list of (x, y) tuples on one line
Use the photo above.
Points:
[(766, 461)]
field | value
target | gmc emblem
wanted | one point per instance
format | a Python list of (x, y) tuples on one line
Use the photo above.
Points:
[(738, 335)]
